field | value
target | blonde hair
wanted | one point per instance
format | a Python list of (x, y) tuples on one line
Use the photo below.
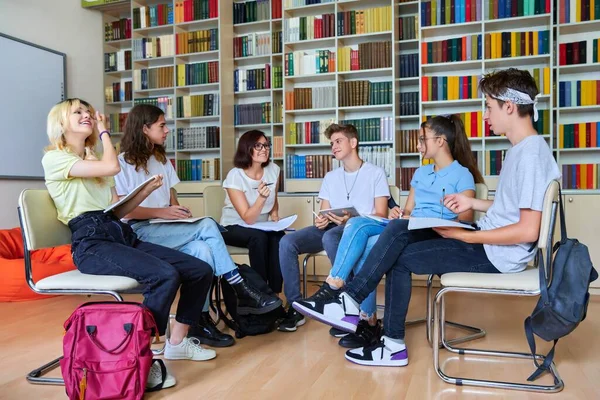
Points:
[(58, 120)]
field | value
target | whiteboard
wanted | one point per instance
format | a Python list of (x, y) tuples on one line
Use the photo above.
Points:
[(32, 80)]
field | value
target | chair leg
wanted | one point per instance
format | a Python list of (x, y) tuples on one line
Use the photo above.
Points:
[(304, 275), (439, 335), (476, 332), (37, 375)]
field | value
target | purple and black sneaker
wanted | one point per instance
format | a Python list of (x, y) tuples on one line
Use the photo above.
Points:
[(386, 353), (336, 309)]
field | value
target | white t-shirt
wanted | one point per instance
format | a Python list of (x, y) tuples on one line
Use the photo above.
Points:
[(129, 178), (527, 170), (363, 186), (237, 179)]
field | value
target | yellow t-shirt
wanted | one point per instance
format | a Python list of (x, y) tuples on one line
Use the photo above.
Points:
[(73, 196)]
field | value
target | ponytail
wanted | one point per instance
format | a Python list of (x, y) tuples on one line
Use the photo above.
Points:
[(453, 128)]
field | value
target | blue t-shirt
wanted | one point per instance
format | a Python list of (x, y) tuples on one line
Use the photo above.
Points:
[(429, 186)]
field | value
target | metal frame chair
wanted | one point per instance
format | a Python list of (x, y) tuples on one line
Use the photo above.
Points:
[(41, 229), (525, 283)]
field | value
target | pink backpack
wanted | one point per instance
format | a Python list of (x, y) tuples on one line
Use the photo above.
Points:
[(106, 351)]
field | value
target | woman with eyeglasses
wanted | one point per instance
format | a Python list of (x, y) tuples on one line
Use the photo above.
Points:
[(251, 196), (453, 170)]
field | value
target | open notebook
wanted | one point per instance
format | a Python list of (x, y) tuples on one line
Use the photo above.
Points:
[(130, 195)]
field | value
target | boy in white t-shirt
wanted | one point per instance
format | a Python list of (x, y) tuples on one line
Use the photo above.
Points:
[(356, 184)]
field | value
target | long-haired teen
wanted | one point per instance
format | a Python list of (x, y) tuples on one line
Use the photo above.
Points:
[(503, 243), (251, 196), (453, 170), (82, 186), (143, 156)]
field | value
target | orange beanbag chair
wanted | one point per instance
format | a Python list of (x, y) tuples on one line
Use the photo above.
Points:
[(46, 262)]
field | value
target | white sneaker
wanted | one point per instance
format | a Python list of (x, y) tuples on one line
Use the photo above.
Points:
[(188, 349), (155, 377)]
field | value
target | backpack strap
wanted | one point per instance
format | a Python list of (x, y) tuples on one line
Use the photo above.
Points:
[(163, 371), (545, 365), (563, 224)]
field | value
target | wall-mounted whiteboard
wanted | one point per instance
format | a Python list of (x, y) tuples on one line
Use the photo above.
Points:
[(32, 80)]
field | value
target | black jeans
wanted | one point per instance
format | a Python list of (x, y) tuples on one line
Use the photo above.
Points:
[(103, 245), (263, 249), (397, 254)]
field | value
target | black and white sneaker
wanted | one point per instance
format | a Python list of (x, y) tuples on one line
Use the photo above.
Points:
[(337, 333), (365, 335), (337, 309), (292, 321), (386, 353)]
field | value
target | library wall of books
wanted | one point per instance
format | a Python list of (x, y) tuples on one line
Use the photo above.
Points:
[(291, 67)]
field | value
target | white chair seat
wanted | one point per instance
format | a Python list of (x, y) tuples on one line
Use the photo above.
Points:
[(526, 280), (237, 251), (76, 280)]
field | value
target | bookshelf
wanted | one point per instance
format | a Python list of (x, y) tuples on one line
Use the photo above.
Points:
[(167, 53), (323, 54)]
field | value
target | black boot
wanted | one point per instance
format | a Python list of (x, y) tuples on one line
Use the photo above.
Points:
[(207, 332), (251, 301)]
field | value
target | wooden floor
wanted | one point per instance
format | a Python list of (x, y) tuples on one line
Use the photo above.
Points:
[(308, 364)]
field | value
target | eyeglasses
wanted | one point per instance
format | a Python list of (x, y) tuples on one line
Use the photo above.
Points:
[(422, 139), (258, 146)]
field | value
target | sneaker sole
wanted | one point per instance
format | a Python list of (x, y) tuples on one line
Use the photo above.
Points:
[(294, 329), (259, 311), (203, 358), (380, 363), (336, 323)]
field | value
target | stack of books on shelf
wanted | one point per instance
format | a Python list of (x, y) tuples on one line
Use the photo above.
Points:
[(445, 12), (409, 65), (194, 10), (309, 62), (364, 93), (309, 28), (404, 176), (199, 169), (248, 79), (201, 137), (310, 98), (493, 162), (153, 47), (153, 78), (579, 93), (117, 30), (370, 20), (197, 42), (152, 15), (200, 105), (407, 140), (278, 147), (372, 129), (251, 11), (516, 44), (381, 156), (464, 48), (116, 122), (197, 73), (580, 176), (408, 28), (165, 103), (308, 132), (118, 91), (252, 44), (579, 136), (308, 166), (252, 114), (499, 9), (365, 56), (117, 61), (435, 88)]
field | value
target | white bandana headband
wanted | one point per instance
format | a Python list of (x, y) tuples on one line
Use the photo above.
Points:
[(517, 97)]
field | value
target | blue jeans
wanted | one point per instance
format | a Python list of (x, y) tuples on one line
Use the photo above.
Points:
[(398, 253), (103, 245), (360, 235), (307, 240), (201, 239)]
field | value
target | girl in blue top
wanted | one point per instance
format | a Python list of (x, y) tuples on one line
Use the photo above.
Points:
[(454, 170)]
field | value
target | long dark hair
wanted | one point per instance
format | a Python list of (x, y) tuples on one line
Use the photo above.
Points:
[(243, 154), (453, 128), (135, 144)]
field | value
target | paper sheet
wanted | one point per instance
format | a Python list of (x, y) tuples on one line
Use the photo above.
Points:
[(423, 223), (130, 195), (271, 226), (172, 221)]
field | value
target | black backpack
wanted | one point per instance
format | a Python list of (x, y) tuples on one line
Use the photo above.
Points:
[(563, 304), (248, 325)]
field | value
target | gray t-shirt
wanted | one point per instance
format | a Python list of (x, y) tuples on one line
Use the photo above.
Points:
[(527, 170)]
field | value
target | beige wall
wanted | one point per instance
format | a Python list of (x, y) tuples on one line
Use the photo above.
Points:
[(64, 26)]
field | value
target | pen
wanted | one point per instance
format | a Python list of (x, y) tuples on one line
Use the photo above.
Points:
[(442, 210), (266, 184), (316, 215)]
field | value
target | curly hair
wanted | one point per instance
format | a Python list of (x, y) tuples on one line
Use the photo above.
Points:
[(136, 146)]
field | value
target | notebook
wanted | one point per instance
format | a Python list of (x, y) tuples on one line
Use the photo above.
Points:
[(130, 195)]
